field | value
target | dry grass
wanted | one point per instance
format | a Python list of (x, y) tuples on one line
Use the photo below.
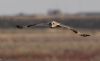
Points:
[(48, 45)]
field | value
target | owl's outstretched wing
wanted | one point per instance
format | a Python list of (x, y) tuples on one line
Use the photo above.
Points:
[(74, 30), (32, 25), (21, 27)]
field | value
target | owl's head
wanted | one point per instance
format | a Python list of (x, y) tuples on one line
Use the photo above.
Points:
[(54, 24)]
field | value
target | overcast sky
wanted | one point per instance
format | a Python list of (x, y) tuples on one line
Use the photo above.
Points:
[(41, 6)]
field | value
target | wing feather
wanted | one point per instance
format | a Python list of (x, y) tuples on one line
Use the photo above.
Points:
[(74, 30)]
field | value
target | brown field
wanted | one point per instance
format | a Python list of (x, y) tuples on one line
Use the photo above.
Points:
[(48, 45)]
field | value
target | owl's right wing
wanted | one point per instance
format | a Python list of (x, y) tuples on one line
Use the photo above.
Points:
[(74, 30)]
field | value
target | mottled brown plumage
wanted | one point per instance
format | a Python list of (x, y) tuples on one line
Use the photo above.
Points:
[(55, 24)]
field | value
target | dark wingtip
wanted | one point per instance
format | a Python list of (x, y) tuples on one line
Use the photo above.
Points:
[(18, 26), (85, 35), (75, 31), (31, 25)]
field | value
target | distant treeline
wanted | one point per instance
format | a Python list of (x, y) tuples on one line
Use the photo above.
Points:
[(77, 22)]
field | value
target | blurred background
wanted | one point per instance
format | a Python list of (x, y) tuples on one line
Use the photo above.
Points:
[(76, 13), (32, 44)]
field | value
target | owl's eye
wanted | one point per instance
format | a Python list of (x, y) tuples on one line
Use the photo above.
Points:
[(53, 23)]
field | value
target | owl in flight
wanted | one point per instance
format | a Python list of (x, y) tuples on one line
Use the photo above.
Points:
[(55, 24)]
